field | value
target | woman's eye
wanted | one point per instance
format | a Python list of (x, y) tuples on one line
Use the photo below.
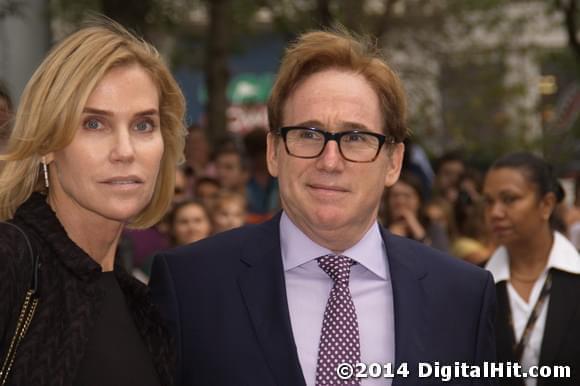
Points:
[(145, 126), (93, 124), (509, 199)]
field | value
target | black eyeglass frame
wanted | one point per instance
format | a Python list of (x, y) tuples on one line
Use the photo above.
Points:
[(328, 136)]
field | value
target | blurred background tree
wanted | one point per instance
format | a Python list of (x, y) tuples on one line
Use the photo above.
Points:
[(472, 68), (571, 11), (10, 8)]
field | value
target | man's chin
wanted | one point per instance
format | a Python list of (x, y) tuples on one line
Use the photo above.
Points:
[(332, 218)]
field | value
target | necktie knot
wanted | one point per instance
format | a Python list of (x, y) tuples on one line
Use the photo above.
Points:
[(337, 267)]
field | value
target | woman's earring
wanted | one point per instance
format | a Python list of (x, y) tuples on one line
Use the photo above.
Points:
[(45, 170)]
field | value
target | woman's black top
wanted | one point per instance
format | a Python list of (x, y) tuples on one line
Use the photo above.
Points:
[(115, 353), (75, 304)]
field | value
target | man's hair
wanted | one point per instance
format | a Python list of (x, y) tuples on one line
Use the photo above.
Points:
[(52, 103), (322, 50)]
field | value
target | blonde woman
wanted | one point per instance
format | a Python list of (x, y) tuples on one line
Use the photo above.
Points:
[(96, 139)]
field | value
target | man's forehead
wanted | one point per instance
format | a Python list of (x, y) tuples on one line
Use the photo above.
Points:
[(334, 126)]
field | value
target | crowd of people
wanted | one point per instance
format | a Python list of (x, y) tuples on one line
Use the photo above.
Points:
[(216, 189), (101, 184), (450, 214), (229, 186)]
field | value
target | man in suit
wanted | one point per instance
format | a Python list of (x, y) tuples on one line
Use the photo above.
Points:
[(285, 302)]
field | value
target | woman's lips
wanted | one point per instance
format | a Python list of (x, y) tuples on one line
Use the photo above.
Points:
[(123, 183), (500, 230)]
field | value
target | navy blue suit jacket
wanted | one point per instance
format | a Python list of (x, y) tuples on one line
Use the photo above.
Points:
[(225, 301)]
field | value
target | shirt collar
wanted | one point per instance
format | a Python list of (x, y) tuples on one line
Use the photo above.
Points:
[(298, 249), (563, 256)]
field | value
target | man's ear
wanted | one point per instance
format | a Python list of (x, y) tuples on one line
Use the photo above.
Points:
[(272, 153), (395, 160)]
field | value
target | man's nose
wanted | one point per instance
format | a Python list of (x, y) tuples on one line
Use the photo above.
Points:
[(331, 159)]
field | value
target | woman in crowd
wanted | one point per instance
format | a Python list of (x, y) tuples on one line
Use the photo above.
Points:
[(536, 270), (207, 190), (229, 211), (471, 242), (95, 143), (403, 213), (439, 211), (189, 221)]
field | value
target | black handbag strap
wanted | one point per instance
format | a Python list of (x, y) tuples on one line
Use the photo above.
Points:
[(26, 314), (34, 257)]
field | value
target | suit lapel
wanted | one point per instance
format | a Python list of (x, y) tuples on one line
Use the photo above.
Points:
[(261, 282), (409, 302), (560, 312), (263, 289)]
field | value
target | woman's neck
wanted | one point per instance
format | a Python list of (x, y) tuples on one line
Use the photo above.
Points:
[(94, 234), (528, 259)]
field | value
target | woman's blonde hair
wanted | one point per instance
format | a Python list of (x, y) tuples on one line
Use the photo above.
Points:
[(53, 100)]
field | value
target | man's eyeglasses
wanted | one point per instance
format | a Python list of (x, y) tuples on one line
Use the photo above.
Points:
[(354, 146)]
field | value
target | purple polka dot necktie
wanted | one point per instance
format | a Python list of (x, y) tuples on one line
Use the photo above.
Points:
[(339, 339)]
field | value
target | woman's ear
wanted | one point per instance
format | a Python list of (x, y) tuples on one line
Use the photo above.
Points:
[(548, 205)]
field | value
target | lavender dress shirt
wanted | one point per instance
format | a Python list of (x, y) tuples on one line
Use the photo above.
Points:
[(308, 287)]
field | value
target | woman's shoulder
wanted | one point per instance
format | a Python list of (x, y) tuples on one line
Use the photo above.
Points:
[(564, 256), (11, 235)]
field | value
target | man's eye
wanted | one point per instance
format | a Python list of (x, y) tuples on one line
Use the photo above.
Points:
[(355, 137), (308, 135)]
